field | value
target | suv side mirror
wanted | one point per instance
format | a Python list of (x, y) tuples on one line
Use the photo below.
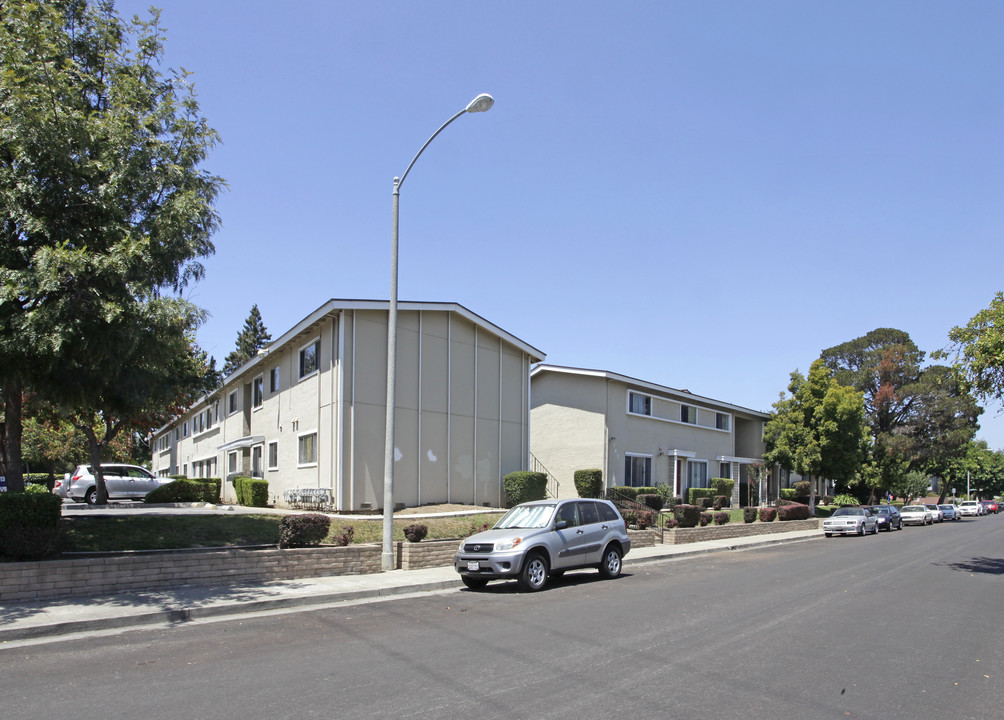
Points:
[(561, 525)]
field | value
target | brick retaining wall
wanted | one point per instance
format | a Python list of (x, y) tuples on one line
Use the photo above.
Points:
[(47, 579), (679, 536)]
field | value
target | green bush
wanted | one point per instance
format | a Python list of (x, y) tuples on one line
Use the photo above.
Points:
[(803, 489), (787, 494), (704, 503), (416, 532), (749, 514), (622, 492), (36, 479), (588, 483), (687, 515), (252, 492), (303, 530), (695, 494), (523, 486), (723, 486), (184, 490), (718, 502), (651, 500), (844, 499), (29, 524)]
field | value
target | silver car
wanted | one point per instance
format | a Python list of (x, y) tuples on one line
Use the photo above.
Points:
[(538, 540), (122, 482), (850, 521)]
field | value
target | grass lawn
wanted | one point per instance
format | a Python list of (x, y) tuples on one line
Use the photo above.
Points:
[(165, 532)]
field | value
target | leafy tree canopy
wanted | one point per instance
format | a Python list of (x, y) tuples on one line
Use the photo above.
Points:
[(980, 350)]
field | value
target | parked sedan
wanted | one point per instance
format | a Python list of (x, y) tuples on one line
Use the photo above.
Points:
[(936, 514), (887, 517), (915, 515), (850, 520), (970, 508), (951, 512), (991, 506)]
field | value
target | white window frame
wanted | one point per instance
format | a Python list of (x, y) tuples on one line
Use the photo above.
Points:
[(232, 462), (272, 458), (723, 419), (316, 345), (691, 465), (258, 453), (631, 457), (647, 404), (257, 392), (233, 402), (299, 450), (273, 380), (691, 410)]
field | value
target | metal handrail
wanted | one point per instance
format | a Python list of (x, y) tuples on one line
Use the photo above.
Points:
[(552, 482)]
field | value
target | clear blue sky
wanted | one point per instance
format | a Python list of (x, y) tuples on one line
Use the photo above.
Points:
[(700, 194)]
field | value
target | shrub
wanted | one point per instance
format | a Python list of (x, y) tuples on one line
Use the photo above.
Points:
[(29, 524), (787, 494), (345, 537), (630, 516), (184, 490), (704, 503), (721, 518), (415, 533), (646, 518), (36, 479), (767, 514), (669, 522), (718, 502), (749, 514), (844, 499), (802, 488), (793, 511), (723, 486), (705, 519), (666, 493), (687, 515), (252, 492), (475, 529), (523, 486), (827, 500), (588, 483), (652, 500), (303, 530), (622, 492), (695, 494)]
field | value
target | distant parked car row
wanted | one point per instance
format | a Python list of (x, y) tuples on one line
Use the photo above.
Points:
[(865, 519)]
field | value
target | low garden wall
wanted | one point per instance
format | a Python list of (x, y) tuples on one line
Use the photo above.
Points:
[(679, 536)]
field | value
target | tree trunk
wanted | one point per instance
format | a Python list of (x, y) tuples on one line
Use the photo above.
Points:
[(12, 435), (812, 495)]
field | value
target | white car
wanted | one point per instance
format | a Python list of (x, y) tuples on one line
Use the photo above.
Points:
[(970, 508), (915, 515), (936, 514), (850, 520), (122, 481)]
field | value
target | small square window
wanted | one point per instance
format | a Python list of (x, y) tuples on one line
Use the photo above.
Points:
[(722, 421), (688, 414), (639, 404), (307, 449), (310, 358)]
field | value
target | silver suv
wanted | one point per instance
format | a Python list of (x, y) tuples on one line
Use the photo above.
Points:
[(542, 539), (122, 481)]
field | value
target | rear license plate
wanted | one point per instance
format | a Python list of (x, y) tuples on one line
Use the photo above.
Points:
[(473, 566)]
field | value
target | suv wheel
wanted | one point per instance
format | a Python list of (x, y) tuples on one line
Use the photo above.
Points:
[(533, 576), (610, 567), (91, 498)]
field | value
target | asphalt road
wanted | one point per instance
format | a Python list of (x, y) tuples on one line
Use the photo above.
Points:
[(903, 625)]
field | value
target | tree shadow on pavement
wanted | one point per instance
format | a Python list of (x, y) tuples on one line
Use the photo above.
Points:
[(984, 565)]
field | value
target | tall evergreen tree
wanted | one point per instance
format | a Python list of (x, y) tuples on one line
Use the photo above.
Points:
[(252, 338)]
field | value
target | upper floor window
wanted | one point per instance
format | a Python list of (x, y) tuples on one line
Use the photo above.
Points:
[(232, 402), (310, 358), (184, 429), (639, 404), (257, 391), (273, 380), (688, 414), (722, 421)]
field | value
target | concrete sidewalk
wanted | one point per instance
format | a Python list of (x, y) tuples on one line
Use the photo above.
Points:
[(63, 617)]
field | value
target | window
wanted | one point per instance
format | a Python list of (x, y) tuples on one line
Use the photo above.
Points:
[(273, 455), (725, 470), (257, 391), (637, 470), (698, 472), (639, 404), (688, 414), (233, 404), (273, 380), (307, 449), (232, 463), (256, 461), (310, 357), (722, 421), (184, 429)]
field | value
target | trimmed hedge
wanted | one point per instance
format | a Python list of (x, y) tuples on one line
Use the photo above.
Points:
[(416, 532), (787, 494), (626, 492), (186, 490), (303, 530), (651, 500), (719, 501), (706, 519), (252, 492), (767, 514), (687, 515), (523, 486), (588, 483), (722, 518), (749, 514), (695, 494), (793, 511), (723, 486), (640, 518), (29, 524)]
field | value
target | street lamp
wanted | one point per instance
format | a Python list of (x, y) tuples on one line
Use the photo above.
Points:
[(481, 103)]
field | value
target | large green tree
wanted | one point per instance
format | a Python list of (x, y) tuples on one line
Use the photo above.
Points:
[(104, 204), (252, 338), (980, 350), (818, 430)]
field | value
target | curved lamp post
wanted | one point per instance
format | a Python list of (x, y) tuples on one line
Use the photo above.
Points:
[(481, 103)]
